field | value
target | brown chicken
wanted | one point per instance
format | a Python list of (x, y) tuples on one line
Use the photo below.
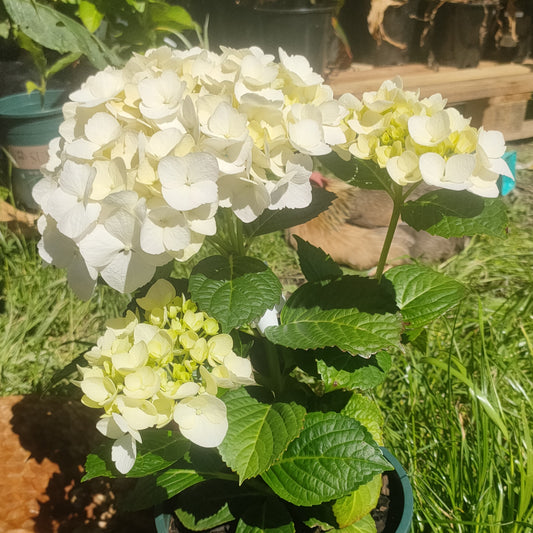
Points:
[(352, 230)]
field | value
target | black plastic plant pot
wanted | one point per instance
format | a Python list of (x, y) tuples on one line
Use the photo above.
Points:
[(28, 123), (399, 513), (306, 31)]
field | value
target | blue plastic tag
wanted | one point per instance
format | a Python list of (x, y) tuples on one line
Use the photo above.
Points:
[(506, 184)]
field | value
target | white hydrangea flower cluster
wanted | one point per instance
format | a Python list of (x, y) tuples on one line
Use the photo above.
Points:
[(148, 153), (146, 373), (420, 139)]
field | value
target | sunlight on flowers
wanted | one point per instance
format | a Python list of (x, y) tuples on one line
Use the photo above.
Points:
[(150, 368)]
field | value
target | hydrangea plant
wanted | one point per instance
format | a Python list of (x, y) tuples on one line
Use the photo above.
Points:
[(225, 402)]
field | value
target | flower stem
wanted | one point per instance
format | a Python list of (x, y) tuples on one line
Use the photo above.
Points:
[(397, 201)]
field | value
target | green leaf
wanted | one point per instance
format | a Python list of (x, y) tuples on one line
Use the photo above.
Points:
[(279, 219), (234, 290), (333, 456), (353, 313), (158, 450), (53, 30), (167, 17), (365, 525), (341, 370), (35, 50), (455, 214), (356, 172), (154, 489), (365, 410), (316, 265), (267, 515), (99, 464), (423, 294), (258, 433), (358, 504), (89, 15), (204, 521)]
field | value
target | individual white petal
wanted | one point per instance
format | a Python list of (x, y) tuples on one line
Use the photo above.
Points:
[(299, 69), (81, 149), (124, 453), (102, 128), (432, 168), (459, 168), (247, 198), (111, 426), (79, 219), (307, 136), (491, 142), (202, 419), (429, 131), (99, 247), (127, 271), (139, 414)]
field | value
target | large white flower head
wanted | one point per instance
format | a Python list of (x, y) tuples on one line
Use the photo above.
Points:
[(148, 153), (420, 139), (161, 364)]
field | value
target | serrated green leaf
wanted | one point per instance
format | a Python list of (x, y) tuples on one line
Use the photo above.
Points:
[(316, 265), (258, 433), (158, 450), (234, 290), (341, 370), (423, 294), (365, 525), (356, 172), (280, 219), (154, 489), (190, 521), (353, 313), (99, 464), (358, 504), (365, 410), (456, 214), (333, 456)]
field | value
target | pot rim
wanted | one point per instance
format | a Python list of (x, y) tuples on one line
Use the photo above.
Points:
[(28, 105)]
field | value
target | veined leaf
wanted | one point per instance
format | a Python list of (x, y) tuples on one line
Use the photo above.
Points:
[(341, 370), (53, 30), (358, 504), (158, 450), (234, 290), (353, 313), (423, 294), (365, 410), (316, 265), (455, 214), (154, 489), (333, 456), (258, 433)]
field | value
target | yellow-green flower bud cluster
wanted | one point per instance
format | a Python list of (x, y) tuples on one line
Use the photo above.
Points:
[(420, 139), (168, 353)]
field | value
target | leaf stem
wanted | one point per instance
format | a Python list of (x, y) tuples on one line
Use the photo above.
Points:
[(397, 201)]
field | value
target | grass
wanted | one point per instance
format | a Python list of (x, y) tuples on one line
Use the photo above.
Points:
[(458, 402)]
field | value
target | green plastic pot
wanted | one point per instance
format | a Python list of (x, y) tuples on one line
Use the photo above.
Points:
[(27, 126), (399, 515)]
